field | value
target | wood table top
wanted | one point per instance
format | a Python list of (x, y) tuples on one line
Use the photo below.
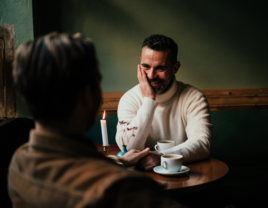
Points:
[(203, 174)]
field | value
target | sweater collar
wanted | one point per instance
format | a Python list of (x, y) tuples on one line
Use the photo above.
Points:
[(166, 96)]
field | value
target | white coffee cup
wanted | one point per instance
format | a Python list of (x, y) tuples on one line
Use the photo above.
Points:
[(172, 162), (164, 144)]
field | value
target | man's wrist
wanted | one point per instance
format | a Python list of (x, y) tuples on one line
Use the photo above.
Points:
[(151, 97)]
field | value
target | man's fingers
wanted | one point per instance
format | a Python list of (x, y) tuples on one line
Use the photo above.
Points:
[(139, 72), (150, 167), (143, 76), (142, 161), (144, 152), (145, 164)]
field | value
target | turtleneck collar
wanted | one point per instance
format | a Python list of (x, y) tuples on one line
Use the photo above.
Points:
[(165, 97)]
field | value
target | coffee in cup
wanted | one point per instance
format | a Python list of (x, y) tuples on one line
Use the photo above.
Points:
[(164, 144), (172, 162)]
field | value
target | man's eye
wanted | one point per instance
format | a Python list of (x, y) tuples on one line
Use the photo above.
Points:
[(160, 70)]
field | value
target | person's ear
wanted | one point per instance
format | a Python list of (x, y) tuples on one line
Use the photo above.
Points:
[(176, 68)]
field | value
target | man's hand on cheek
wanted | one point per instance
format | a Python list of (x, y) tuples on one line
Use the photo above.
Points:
[(145, 87), (150, 161)]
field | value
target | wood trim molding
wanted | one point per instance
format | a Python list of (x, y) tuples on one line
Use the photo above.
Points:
[(110, 101), (256, 98), (218, 99)]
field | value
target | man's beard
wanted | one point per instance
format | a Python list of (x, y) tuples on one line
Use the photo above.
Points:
[(164, 85)]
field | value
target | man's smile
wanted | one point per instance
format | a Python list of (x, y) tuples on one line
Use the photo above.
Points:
[(155, 84)]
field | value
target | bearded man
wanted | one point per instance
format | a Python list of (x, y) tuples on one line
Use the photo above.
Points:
[(162, 108)]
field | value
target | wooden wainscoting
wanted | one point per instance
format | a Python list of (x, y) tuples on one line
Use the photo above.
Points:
[(110, 101), (237, 98), (223, 99)]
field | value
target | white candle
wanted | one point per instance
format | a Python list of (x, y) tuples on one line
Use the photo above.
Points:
[(104, 131)]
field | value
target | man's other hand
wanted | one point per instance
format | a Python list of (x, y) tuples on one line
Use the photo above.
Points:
[(150, 161), (133, 156), (145, 87)]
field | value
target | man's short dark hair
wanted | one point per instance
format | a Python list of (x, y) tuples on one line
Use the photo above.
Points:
[(162, 43), (50, 72)]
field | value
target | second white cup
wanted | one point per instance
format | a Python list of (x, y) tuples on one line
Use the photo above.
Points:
[(164, 144), (172, 162)]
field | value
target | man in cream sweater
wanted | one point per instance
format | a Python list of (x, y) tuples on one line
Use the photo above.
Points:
[(162, 108)]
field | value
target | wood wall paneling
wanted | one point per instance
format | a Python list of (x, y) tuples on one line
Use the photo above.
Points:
[(8, 96), (218, 99)]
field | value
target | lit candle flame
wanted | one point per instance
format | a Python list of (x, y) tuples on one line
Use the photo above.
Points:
[(103, 117)]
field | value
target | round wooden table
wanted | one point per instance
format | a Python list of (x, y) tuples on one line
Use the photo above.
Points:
[(203, 174)]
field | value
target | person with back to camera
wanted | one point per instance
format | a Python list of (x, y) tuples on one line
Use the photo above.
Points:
[(162, 108), (57, 75)]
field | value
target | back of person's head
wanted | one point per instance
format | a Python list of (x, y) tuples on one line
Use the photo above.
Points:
[(51, 71), (162, 43)]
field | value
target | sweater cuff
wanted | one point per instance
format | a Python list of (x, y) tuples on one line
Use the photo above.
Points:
[(165, 152), (149, 104), (170, 151)]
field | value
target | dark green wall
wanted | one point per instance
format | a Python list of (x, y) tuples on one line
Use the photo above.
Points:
[(222, 44), (18, 13)]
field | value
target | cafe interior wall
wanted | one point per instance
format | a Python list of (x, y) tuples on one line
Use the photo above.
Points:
[(222, 45)]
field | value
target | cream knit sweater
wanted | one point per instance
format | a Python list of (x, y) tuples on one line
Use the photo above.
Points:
[(180, 114)]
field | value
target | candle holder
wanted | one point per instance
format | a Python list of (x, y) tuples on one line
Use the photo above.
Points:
[(105, 149)]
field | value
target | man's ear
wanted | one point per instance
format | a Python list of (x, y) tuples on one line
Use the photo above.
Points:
[(176, 67)]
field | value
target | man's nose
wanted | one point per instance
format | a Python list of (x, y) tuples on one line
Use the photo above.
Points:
[(151, 74)]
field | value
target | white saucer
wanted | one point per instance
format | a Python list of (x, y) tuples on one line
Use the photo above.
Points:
[(162, 171)]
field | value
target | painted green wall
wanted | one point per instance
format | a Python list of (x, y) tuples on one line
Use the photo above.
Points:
[(19, 13), (222, 44)]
